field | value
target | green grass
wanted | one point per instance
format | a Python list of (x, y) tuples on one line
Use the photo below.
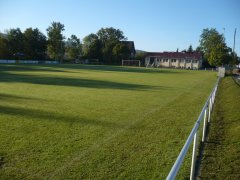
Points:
[(221, 158), (96, 122)]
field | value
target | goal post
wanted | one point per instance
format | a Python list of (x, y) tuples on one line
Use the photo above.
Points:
[(131, 63)]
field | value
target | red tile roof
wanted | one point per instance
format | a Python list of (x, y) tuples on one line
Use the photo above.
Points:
[(177, 55)]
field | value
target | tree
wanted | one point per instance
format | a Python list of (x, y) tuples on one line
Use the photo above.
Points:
[(35, 44), (120, 51), (110, 34), (190, 49), (4, 48), (55, 47), (15, 41), (92, 47), (109, 37), (73, 48), (213, 45)]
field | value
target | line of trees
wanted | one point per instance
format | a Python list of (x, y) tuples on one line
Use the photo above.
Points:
[(107, 45)]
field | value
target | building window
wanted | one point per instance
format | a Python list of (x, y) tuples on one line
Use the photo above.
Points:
[(182, 61), (173, 60), (195, 61), (165, 60), (188, 61)]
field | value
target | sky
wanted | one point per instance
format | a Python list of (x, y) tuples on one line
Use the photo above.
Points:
[(153, 25)]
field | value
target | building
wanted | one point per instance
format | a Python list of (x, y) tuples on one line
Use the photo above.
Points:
[(130, 45), (185, 60)]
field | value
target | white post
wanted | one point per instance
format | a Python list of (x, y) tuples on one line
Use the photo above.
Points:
[(209, 110), (194, 156), (204, 125), (212, 103)]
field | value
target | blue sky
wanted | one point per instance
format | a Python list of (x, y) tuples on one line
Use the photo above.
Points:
[(154, 25)]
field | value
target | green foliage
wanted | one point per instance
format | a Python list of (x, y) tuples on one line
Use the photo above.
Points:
[(106, 45), (120, 51), (111, 34), (213, 45), (73, 48), (190, 49), (35, 44), (15, 41), (109, 38), (92, 47), (55, 47), (96, 122), (4, 49)]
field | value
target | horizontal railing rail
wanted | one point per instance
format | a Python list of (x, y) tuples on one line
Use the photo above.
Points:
[(193, 136)]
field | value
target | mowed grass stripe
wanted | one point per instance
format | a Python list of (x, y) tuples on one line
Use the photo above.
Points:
[(78, 121)]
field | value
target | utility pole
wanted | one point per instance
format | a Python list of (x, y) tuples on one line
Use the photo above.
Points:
[(234, 41)]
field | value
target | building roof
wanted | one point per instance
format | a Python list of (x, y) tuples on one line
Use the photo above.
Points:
[(177, 55)]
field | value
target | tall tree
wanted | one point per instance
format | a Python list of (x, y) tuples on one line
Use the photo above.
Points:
[(73, 48), (213, 45), (190, 49), (15, 40), (120, 51), (55, 47), (109, 37), (4, 48), (35, 44), (92, 47)]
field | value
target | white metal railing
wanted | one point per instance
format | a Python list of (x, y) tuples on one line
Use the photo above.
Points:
[(205, 114)]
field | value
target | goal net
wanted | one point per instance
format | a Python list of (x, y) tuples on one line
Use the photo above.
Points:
[(131, 63)]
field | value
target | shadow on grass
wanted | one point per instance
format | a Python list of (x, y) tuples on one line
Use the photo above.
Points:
[(76, 82), (1, 161), (118, 68), (36, 68), (66, 67), (51, 116), (8, 97)]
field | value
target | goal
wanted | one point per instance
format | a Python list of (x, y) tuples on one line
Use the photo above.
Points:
[(131, 63)]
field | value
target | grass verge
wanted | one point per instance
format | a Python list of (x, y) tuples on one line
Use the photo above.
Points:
[(221, 159)]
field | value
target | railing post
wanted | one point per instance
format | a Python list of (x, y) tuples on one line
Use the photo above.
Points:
[(209, 110), (213, 96), (204, 125), (194, 156), (211, 102)]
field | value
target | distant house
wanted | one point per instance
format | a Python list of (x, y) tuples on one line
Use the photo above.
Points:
[(131, 46), (185, 60)]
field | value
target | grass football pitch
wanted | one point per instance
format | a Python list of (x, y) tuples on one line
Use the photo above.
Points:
[(96, 122)]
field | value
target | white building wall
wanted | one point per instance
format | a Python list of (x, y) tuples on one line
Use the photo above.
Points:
[(180, 63)]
